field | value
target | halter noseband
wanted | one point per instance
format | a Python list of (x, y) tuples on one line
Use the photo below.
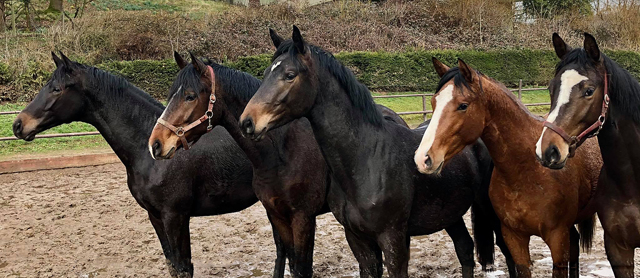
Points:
[(180, 131), (575, 141)]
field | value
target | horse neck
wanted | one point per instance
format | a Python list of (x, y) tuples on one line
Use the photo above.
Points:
[(232, 107), (510, 131), (340, 128), (125, 120), (617, 141)]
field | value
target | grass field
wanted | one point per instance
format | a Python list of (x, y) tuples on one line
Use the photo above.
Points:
[(10, 149)]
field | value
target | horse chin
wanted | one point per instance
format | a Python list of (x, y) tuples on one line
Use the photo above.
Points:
[(30, 136), (554, 166), (258, 136), (169, 155)]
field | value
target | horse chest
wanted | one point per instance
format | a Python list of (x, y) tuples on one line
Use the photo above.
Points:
[(519, 209), (621, 220)]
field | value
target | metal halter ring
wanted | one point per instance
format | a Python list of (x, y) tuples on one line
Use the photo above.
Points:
[(180, 132)]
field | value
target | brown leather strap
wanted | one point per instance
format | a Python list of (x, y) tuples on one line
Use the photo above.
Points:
[(180, 131), (575, 141)]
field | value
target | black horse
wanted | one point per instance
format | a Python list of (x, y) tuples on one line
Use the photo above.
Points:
[(213, 179), (591, 94), (379, 196), (290, 175)]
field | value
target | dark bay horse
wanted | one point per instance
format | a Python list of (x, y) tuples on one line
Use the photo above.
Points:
[(591, 94), (170, 191), (529, 198), (290, 174), (377, 194)]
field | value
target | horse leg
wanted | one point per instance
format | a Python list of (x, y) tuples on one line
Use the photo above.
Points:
[(176, 227), (464, 246), (519, 247), (558, 241), (164, 243), (574, 253), (621, 259), (511, 266), (368, 254), (304, 230), (281, 254), (394, 243)]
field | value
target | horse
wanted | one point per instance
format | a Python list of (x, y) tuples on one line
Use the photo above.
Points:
[(592, 95), (377, 194), (170, 191), (528, 198), (290, 175)]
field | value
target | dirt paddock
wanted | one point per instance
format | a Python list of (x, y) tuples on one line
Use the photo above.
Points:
[(83, 222)]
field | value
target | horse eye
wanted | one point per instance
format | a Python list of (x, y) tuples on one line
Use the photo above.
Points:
[(589, 92), (291, 76), (463, 107), (56, 90), (190, 97)]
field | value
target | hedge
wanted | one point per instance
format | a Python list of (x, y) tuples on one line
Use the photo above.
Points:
[(390, 71)]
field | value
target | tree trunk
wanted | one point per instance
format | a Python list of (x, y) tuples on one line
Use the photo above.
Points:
[(55, 5), (3, 24)]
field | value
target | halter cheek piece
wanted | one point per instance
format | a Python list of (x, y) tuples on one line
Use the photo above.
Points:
[(180, 131), (575, 141)]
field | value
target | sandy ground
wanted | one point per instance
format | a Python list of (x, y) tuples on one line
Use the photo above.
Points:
[(83, 222)]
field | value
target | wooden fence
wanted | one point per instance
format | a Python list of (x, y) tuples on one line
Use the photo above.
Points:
[(424, 112)]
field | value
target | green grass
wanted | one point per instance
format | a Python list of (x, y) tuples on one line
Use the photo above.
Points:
[(39, 146)]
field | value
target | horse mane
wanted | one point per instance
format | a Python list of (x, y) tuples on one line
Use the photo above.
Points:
[(358, 93), (234, 82), (458, 80), (623, 87), (108, 85)]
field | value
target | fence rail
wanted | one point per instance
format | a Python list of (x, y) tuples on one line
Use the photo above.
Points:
[(424, 112)]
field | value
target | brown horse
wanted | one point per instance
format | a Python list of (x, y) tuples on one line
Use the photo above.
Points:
[(591, 94), (528, 198)]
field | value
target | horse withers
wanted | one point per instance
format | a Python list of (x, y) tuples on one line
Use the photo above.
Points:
[(592, 95), (170, 191), (528, 198)]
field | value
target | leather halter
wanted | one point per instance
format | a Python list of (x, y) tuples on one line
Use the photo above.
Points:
[(575, 141), (180, 131)]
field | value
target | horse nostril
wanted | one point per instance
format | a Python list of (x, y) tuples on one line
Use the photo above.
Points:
[(552, 154), (156, 148), (428, 162), (17, 127), (247, 126)]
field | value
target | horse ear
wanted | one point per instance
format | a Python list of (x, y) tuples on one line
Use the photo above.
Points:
[(198, 64), (560, 46), (70, 65), (275, 38), (298, 41), (470, 75), (591, 47), (179, 60), (56, 59), (441, 68)]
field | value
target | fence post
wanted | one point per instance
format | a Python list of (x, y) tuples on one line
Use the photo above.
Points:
[(520, 90), (424, 108)]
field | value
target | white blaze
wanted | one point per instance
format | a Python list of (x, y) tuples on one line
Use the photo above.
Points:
[(442, 100), (568, 80), (275, 65)]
